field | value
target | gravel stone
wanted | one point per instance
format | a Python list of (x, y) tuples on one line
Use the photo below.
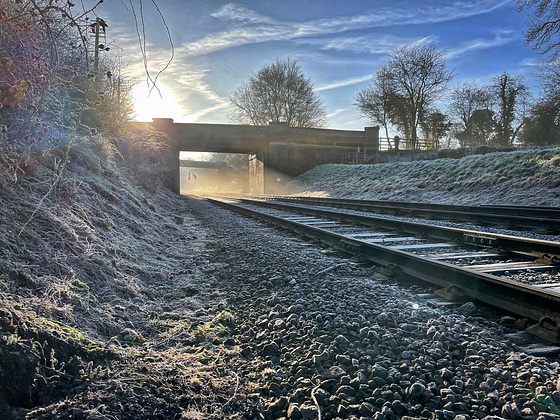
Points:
[(366, 409), (308, 411), (467, 309), (270, 349), (294, 412), (416, 390)]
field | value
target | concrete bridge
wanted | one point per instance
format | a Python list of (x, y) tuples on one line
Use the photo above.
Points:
[(278, 152)]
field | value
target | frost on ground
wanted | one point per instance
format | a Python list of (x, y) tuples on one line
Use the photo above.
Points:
[(530, 177), (102, 292), (123, 301)]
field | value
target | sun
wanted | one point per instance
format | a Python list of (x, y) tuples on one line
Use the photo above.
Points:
[(153, 105)]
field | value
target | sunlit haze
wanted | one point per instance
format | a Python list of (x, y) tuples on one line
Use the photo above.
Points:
[(154, 104)]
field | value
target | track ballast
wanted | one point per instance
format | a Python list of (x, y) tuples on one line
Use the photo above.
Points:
[(516, 274)]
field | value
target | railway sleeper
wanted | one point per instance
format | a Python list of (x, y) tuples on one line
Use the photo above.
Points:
[(547, 329), (452, 293)]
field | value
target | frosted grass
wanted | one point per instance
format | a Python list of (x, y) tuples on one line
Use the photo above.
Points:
[(528, 177)]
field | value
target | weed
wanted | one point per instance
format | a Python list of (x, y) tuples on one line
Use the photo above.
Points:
[(225, 318), (84, 289), (131, 336), (9, 338), (103, 223), (220, 326), (543, 399)]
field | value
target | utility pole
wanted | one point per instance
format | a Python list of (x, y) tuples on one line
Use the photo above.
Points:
[(96, 52)]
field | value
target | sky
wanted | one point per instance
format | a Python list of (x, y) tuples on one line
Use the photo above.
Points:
[(337, 44)]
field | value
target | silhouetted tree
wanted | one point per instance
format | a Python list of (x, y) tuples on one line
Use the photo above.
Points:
[(483, 127), (543, 26), (417, 76), (435, 126), (465, 100), (278, 92), (542, 126), (512, 97)]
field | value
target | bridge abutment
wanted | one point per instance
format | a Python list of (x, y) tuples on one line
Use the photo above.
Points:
[(257, 173)]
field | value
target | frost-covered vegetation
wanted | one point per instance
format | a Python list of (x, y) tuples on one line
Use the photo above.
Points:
[(82, 214), (527, 177)]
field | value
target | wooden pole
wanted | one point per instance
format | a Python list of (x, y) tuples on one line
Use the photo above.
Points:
[(96, 52)]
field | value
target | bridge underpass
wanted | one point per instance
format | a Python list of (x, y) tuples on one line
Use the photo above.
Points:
[(199, 175), (277, 152)]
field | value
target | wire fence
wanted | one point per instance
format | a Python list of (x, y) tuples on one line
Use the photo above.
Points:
[(360, 156)]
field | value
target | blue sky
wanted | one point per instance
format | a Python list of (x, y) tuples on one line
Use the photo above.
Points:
[(338, 44)]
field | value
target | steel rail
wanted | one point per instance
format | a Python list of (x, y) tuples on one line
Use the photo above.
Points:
[(524, 300), (546, 218), (525, 246)]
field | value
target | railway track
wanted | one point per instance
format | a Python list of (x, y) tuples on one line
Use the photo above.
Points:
[(519, 275), (544, 220)]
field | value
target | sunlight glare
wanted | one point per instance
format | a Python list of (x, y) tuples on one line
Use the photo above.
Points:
[(148, 106)]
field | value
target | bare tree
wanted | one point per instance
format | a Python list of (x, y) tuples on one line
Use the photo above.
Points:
[(543, 26), (512, 98), (417, 76), (468, 101), (549, 76), (278, 92), (374, 103)]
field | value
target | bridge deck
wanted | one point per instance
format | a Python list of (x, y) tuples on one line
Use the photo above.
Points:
[(250, 139)]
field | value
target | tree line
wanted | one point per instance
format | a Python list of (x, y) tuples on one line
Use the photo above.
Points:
[(411, 94), (405, 92)]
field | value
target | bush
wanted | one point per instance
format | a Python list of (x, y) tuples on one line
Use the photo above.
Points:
[(453, 153), (49, 92)]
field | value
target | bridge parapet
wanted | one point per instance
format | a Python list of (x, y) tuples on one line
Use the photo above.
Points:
[(329, 137)]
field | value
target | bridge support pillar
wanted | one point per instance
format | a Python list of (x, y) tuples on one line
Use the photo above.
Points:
[(371, 137), (175, 172), (256, 173)]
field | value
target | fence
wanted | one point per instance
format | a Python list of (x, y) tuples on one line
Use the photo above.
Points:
[(406, 144), (357, 158)]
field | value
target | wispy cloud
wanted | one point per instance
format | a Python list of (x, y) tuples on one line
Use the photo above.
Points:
[(343, 83), (196, 82), (338, 112), (501, 37), (250, 27), (239, 14), (201, 113), (373, 44), (530, 62)]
